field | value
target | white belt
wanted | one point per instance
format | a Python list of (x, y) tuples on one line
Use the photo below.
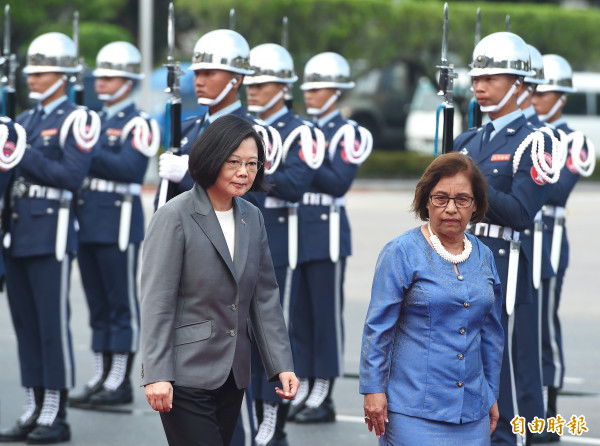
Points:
[(275, 203), (553, 211), (100, 185), (316, 199), (39, 191), (492, 231)]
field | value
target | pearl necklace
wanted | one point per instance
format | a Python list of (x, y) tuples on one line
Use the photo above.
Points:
[(443, 252)]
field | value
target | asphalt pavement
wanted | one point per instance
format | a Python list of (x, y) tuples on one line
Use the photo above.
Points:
[(378, 211)]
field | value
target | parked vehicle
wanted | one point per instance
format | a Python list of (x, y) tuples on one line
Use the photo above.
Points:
[(420, 123), (380, 102)]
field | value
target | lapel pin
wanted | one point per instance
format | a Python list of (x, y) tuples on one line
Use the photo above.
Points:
[(243, 222), (509, 130)]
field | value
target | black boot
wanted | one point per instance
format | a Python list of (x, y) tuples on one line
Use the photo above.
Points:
[(82, 399), (121, 395), (58, 431), (21, 428), (548, 437), (323, 413)]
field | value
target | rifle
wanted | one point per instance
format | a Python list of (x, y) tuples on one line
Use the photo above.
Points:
[(447, 76), (9, 92), (77, 91), (168, 189), (289, 97), (475, 115)]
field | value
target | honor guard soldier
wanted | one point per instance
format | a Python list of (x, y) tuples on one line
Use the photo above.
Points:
[(111, 226), (504, 151), (317, 330), (220, 61), (41, 241), (549, 100), (12, 141), (536, 246), (302, 153)]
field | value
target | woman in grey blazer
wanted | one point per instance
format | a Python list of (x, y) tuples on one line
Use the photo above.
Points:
[(207, 276)]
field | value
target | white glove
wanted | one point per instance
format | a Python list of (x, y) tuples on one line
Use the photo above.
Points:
[(172, 167)]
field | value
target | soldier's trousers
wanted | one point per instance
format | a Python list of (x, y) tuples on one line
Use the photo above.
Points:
[(552, 350), (108, 276), (38, 295), (317, 327)]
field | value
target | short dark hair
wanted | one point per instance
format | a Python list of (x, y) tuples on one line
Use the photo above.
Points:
[(216, 144), (445, 166)]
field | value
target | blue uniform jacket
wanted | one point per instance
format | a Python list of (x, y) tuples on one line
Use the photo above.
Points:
[(98, 212), (291, 179), (433, 342), (513, 200), (34, 220), (334, 177)]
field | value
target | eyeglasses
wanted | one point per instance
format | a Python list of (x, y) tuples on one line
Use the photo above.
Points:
[(251, 166), (441, 201)]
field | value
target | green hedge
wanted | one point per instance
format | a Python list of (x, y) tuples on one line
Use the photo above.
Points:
[(392, 164), (381, 31)]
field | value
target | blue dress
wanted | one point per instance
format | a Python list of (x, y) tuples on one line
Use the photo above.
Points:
[(433, 340)]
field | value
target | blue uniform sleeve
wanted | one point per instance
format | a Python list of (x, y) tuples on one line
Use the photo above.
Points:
[(393, 277), (492, 336)]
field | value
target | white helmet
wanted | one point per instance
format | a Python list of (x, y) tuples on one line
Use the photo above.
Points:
[(271, 63), (537, 66), (119, 59), (52, 53), (222, 49), (501, 53), (327, 70), (559, 74)]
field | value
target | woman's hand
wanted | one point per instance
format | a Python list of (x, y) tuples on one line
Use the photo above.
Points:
[(160, 396), (375, 407), (290, 385), (494, 415)]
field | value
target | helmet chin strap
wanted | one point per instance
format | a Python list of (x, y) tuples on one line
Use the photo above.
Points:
[(268, 105), (210, 102), (559, 103), (329, 103), (106, 97), (524, 95), (49, 92), (502, 103)]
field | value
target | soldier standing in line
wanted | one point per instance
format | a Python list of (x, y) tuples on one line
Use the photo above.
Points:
[(41, 242), (303, 151), (219, 62), (549, 100), (535, 246), (111, 226), (516, 191), (316, 321)]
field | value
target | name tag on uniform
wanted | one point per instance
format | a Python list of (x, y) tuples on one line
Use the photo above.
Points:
[(114, 132), (501, 157), (48, 132)]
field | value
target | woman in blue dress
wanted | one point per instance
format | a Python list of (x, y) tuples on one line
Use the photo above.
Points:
[(432, 342)]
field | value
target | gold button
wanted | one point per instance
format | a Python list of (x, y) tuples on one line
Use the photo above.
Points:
[(460, 356), (466, 304), (462, 331), (459, 384), (460, 277)]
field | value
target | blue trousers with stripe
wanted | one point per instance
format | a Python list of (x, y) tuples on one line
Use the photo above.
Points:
[(38, 295), (108, 277)]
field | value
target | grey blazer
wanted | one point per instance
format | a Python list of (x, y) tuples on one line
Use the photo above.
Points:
[(196, 304)]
